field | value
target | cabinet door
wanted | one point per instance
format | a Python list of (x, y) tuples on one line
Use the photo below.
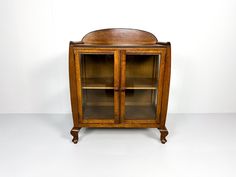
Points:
[(97, 77), (141, 85)]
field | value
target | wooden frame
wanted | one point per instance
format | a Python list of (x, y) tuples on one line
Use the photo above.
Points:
[(120, 43)]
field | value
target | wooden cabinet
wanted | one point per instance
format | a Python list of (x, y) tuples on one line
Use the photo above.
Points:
[(119, 78)]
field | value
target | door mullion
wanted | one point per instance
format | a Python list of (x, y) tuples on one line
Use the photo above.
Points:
[(122, 85), (116, 86)]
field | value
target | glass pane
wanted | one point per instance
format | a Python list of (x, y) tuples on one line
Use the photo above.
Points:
[(98, 103), (97, 71), (97, 80), (141, 86), (140, 104)]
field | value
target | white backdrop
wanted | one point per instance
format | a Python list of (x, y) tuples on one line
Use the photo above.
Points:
[(34, 39)]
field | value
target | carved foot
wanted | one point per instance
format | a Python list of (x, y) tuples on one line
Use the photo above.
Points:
[(74, 132), (164, 133)]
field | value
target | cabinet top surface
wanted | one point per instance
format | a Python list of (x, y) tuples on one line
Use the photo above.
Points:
[(119, 37)]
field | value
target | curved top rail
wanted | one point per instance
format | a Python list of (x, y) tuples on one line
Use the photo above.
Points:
[(119, 36)]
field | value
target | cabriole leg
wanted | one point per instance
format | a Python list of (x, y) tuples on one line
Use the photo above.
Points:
[(164, 132), (74, 132)]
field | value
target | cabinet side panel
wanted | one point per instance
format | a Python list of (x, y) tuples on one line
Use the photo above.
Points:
[(160, 85), (78, 84), (73, 89), (166, 86)]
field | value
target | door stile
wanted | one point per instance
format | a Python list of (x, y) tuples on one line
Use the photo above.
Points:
[(116, 86), (78, 82), (122, 85)]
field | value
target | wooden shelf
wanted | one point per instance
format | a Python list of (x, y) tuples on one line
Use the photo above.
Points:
[(97, 83), (107, 83), (141, 83)]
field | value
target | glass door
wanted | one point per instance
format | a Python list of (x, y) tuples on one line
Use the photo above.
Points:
[(97, 78), (142, 74)]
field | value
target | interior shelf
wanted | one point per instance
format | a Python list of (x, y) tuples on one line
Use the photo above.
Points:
[(97, 83), (140, 83), (107, 83)]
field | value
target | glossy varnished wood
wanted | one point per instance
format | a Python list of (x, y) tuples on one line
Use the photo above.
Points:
[(119, 43)]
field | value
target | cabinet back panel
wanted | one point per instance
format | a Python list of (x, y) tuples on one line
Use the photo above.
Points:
[(140, 66), (97, 66)]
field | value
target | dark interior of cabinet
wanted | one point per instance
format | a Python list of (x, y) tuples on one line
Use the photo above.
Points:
[(97, 80)]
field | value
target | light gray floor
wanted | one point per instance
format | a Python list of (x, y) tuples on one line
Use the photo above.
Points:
[(40, 146)]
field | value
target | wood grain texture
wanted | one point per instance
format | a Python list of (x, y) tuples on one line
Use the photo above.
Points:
[(160, 86), (119, 36), (78, 84), (122, 84), (130, 124), (103, 110), (116, 86), (73, 88), (166, 86)]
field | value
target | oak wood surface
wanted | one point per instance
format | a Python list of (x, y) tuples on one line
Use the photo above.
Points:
[(116, 86), (139, 62), (78, 83), (126, 124), (119, 36), (166, 87), (73, 88), (122, 85)]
